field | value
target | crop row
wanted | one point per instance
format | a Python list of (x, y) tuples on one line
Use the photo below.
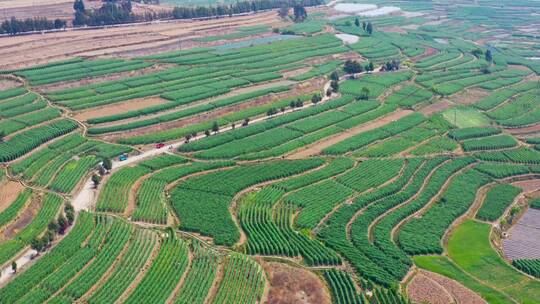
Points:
[(382, 232), (201, 274), (115, 194), (269, 230), (409, 96), (62, 252), (497, 200), (473, 132), (455, 201), (164, 274), (25, 141), (173, 116), (217, 190), (335, 233), (132, 262), (50, 205), (10, 213), (386, 254), (78, 70), (489, 143), (529, 266), (357, 141), (243, 281), (520, 156), (498, 97), (502, 170)]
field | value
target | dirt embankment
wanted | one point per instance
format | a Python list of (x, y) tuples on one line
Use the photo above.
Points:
[(9, 191), (118, 108), (294, 285), (429, 287)]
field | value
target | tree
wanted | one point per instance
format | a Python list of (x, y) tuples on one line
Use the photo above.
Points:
[(369, 28), (316, 98), (215, 127), (78, 6), (127, 6), (107, 164), (2, 135), (245, 122), (96, 179), (59, 23), (364, 94), (37, 244), (334, 76), (70, 213), (489, 56), (194, 134), (283, 12), (271, 111), (300, 13), (299, 103), (282, 109), (364, 25), (369, 67), (207, 133), (357, 22), (53, 226), (329, 92), (233, 126), (187, 137), (14, 266), (80, 19), (352, 67), (477, 53)]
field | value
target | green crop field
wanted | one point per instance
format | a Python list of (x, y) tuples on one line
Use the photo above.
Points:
[(263, 152)]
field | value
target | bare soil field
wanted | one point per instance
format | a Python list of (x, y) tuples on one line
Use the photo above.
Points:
[(117, 108), (23, 220), (294, 285), (429, 285), (422, 289), (317, 148), (524, 130), (9, 191), (436, 107), (528, 185), (8, 84), (428, 52), (469, 96), (52, 9), (39, 49)]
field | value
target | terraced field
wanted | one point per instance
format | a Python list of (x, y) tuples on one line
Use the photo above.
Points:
[(401, 166)]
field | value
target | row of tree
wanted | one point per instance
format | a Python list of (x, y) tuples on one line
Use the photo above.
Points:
[(120, 11), (245, 7), (15, 26), (55, 227)]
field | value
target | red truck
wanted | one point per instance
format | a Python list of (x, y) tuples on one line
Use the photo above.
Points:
[(160, 145)]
